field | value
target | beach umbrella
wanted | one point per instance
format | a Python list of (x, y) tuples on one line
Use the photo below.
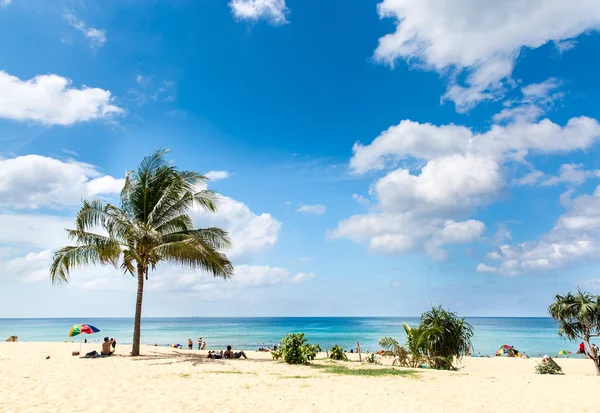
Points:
[(564, 352), (505, 346), (82, 329), (78, 329)]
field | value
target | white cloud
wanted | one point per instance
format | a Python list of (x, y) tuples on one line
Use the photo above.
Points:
[(33, 267), (50, 99), (361, 199), (573, 174), (537, 99), (5, 2), (273, 11), (34, 181), (96, 37), (217, 175), (471, 36), (317, 209), (461, 172), (574, 237), (568, 174), (250, 233), (306, 259), (425, 141), (421, 211), (302, 277), (565, 45)]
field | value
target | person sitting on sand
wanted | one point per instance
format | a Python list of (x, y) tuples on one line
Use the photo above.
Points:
[(106, 347), (233, 355), (12, 339)]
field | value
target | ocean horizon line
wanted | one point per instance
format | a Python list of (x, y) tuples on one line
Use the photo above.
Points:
[(259, 317)]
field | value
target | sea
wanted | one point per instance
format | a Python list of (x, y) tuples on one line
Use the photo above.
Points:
[(533, 336)]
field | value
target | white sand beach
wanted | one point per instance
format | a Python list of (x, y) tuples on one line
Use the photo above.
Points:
[(165, 379)]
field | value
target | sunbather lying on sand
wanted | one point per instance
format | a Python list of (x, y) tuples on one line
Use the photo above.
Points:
[(214, 355), (231, 355)]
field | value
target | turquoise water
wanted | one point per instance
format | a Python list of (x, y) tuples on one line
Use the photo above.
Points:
[(529, 335)]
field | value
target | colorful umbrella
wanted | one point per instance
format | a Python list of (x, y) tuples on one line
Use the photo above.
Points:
[(564, 352), (82, 329), (505, 346)]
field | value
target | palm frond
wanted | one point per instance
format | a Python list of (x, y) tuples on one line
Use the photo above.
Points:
[(68, 258), (196, 255)]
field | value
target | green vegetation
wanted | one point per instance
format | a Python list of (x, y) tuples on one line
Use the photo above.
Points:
[(150, 226), (578, 318), (294, 349), (337, 353), (337, 369), (449, 337), (548, 366), (440, 337), (373, 359)]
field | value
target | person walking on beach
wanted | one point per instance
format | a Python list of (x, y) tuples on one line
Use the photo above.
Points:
[(581, 349), (190, 344)]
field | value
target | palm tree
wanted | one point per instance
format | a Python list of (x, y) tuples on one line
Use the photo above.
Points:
[(578, 318), (417, 339), (150, 227), (450, 336)]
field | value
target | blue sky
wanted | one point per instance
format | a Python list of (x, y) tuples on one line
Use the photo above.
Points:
[(374, 157)]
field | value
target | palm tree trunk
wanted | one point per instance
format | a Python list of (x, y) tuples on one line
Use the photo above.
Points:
[(137, 323)]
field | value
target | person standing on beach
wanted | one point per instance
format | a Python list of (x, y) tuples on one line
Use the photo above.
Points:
[(190, 344), (200, 343)]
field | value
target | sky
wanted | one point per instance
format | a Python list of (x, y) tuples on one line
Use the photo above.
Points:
[(372, 157)]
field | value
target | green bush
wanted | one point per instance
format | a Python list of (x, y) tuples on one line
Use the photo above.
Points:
[(337, 353), (548, 366), (373, 359), (294, 349)]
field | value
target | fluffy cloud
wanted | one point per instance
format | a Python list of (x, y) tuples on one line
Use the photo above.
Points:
[(575, 236), (419, 212), (250, 233), (217, 175), (425, 141), (34, 181), (5, 2), (51, 100), (33, 267), (96, 37), (317, 209), (427, 208), (273, 11), (433, 34)]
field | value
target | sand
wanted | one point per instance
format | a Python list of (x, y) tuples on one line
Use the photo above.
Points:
[(168, 380)]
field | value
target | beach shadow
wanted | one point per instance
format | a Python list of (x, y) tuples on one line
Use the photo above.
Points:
[(174, 358)]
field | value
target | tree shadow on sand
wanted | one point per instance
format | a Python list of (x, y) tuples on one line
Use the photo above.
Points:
[(195, 359)]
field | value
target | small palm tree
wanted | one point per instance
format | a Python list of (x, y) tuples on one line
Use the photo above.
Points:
[(578, 318), (450, 337), (150, 227)]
